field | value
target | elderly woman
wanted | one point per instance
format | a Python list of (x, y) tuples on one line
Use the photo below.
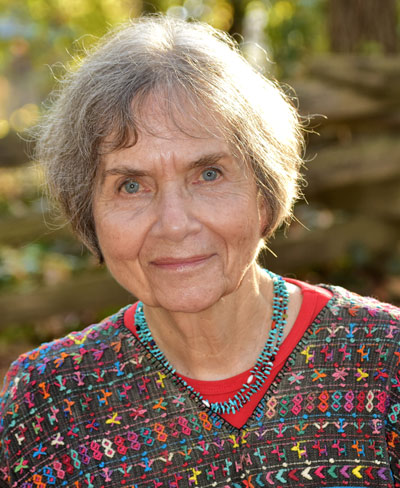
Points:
[(174, 161)]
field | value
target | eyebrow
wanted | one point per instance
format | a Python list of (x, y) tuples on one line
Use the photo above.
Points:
[(123, 170), (208, 159)]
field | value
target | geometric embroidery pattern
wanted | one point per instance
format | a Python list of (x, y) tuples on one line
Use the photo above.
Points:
[(95, 409)]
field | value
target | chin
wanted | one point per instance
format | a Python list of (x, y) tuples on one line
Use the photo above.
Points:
[(186, 302)]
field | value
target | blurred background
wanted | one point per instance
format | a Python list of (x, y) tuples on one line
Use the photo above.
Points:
[(341, 59)]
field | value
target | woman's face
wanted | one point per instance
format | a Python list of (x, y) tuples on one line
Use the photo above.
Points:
[(177, 217)]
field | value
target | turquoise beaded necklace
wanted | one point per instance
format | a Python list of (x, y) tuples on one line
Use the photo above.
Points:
[(264, 363)]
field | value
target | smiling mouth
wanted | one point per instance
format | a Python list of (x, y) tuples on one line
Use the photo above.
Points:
[(176, 263)]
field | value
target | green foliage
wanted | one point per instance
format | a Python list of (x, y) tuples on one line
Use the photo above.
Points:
[(20, 190), (294, 31), (39, 37), (39, 33), (39, 263)]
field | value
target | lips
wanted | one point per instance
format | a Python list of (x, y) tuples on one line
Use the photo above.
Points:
[(180, 262)]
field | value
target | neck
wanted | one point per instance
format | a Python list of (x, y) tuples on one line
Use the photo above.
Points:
[(223, 340)]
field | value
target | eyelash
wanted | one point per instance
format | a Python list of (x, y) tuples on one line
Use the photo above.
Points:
[(120, 187), (212, 168), (133, 180)]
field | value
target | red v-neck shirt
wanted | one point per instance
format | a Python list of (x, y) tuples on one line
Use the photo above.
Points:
[(314, 299)]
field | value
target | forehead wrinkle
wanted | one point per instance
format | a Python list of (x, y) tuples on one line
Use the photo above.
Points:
[(178, 111)]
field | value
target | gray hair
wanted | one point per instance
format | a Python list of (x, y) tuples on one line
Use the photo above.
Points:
[(101, 101)]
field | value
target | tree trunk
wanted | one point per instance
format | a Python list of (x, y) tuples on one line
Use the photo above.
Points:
[(239, 7), (353, 22)]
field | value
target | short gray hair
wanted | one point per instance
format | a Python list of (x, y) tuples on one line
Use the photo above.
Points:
[(156, 54)]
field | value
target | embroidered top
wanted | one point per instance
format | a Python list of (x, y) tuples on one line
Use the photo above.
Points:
[(95, 409), (314, 298)]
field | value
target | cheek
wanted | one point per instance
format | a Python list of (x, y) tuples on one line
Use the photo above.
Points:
[(247, 243), (243, 225), (116, 242)]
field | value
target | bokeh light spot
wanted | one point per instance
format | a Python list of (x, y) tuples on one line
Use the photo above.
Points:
[(4, 128), (24, 117)]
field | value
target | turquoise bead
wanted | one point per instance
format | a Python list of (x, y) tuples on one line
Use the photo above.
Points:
[(263, 365)]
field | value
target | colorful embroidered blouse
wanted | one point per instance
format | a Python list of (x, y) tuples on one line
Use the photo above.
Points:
[(95, 409), (314, 298)]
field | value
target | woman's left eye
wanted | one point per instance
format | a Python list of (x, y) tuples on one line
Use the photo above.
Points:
[(130, 186), (210, 174)]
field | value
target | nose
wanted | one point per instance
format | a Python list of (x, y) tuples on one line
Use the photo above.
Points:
[(175, 219)]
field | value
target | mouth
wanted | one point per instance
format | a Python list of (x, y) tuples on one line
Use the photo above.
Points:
[(181, 263)]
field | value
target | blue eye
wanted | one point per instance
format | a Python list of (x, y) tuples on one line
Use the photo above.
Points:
[(210, 174), (131, 186)]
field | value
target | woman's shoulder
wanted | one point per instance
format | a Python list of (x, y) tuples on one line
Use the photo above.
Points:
[(349, 318), (31, 368), (352, 305)]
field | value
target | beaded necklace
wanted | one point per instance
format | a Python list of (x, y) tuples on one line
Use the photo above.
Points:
[(261, 370)]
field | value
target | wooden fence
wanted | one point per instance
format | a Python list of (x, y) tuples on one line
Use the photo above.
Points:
[(353, 168)]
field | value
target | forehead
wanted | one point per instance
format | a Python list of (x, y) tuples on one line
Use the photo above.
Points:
[(168, 154), (176, 115), (166, 130)]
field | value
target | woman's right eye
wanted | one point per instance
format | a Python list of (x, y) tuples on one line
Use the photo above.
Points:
[(130, 186), (210, 174)]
